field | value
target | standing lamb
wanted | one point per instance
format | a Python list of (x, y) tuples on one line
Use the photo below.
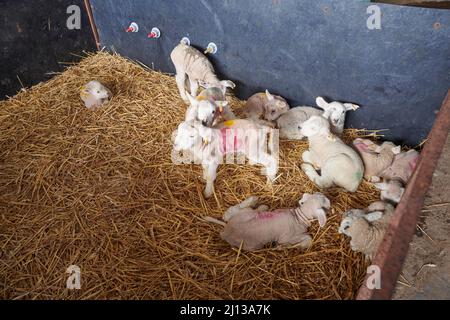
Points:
[(335, 112), (255, 228), (376, 158), (208, 146), (367, 227), (265, 105), (340, 165), (190, 62)]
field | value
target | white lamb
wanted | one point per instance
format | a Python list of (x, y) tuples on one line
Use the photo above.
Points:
[(190, 62), (94, 94), (340, 165), (208, 146), (255, 228), (367, 227), (335, 112)]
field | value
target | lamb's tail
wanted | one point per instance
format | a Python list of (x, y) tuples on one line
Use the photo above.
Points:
[(214, 220)]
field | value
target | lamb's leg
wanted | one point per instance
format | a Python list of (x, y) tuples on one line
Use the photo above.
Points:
[(263, 207), (181, 80), (308, 157), (322, 181), (269, 162), (194, 87), (303, 240), (243, 206), (211, 174)]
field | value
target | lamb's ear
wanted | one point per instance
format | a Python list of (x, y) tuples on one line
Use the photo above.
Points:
[(221, 105), (305, 197), (373, 216), (192, 100), (321, 217), (396, 150), (228, 84), (381, 186), (321, 103), (269, 96), (327, 204), (351, 106)]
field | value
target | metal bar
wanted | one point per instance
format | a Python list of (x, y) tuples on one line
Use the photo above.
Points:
[(87, 4), (393, 250)]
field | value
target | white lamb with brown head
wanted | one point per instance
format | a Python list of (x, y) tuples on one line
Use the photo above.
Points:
[(367, 227), (254, 227), (376, 158), (191, 63)]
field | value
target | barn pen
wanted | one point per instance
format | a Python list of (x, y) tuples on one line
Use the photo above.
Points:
[(97, 190)]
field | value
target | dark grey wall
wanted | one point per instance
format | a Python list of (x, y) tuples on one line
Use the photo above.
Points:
[(35, 38), (303, 49)]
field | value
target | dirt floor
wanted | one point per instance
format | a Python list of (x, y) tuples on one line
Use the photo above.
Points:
[(426, 273)]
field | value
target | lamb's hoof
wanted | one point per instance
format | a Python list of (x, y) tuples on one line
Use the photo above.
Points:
[(207, 193)]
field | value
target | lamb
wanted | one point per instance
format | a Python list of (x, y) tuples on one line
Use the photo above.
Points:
[(190, 62), (265, 105), (94, 94), (209, 145), (402, 167), (335, 111), (209, 107), (367, 227), (376, 158), (391, 191), (255, 228), (340, 165)]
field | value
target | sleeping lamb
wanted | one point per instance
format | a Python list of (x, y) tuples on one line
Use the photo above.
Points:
[(254, 228)]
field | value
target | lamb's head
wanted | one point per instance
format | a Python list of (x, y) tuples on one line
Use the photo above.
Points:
[(207, 111), (94, 94), (190, 135), (391, 191), (349, 219), (314, 206), (387, 145), (335, 111), (402, 167), (366, 145), (275, 106), (316, 125)]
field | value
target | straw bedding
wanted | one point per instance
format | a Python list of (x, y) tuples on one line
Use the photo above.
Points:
[(98, 190)]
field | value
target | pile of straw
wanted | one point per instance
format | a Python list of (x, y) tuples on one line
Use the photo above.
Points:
[(98, 190)]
